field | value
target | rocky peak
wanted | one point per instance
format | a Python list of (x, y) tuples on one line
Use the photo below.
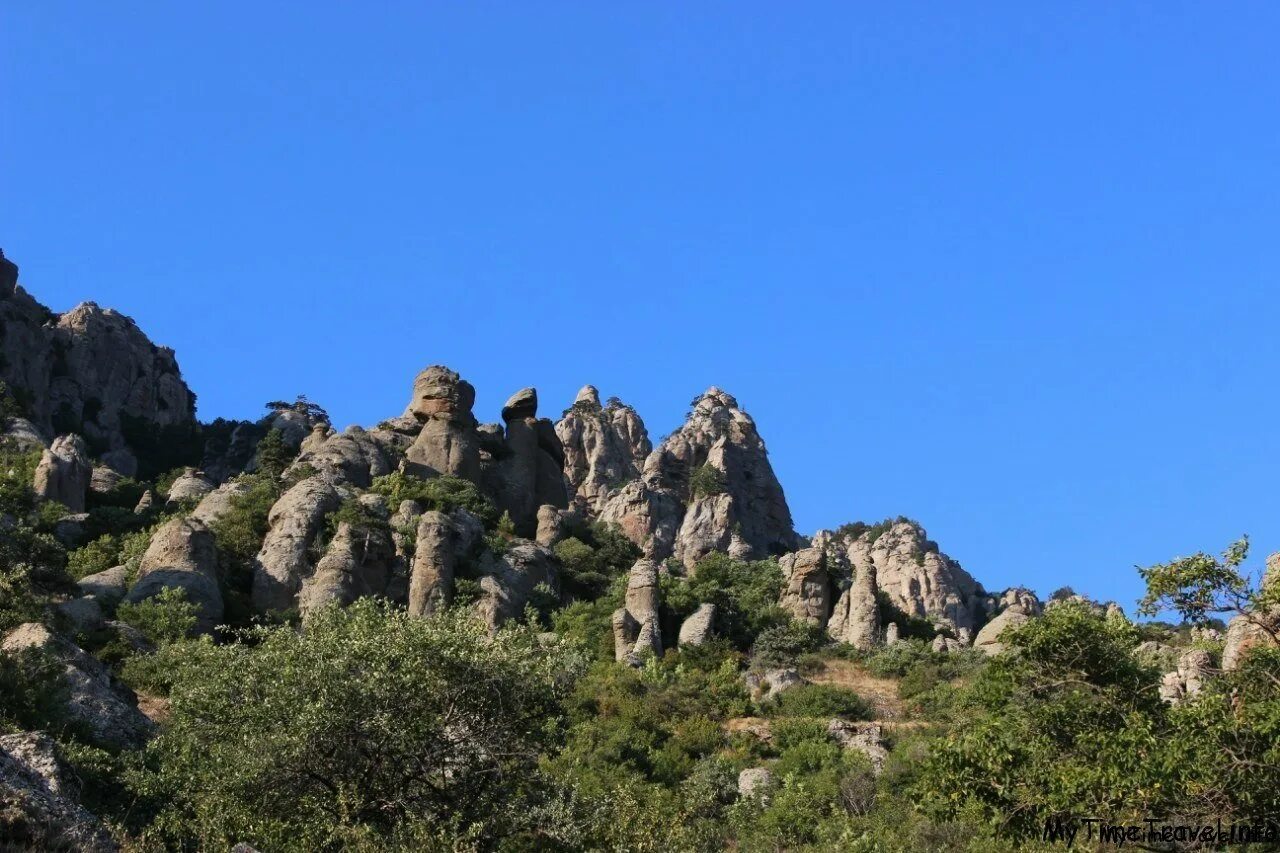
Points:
[(603, 447)]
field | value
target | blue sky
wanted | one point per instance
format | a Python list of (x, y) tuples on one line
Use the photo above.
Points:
[(1007, 268)]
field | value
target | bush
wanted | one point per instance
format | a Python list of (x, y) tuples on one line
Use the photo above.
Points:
[(745, 595), (442, 493), (164, 618), (820, 700), (783, 645), (706, 481), (369, 722)]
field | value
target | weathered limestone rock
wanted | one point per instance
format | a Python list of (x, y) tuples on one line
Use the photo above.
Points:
[(320, 433), (890, 634), (755, 782), (647, 515), (24, 434), (89, 366), (806, 586), (104, 480), (357, 563), (1017, 596), (182, 555), (766, 685), (354, 456), (709, 526), (294, 521), (1253, 630), (856, 619), (190, 486), (448, 443), (867, 738), (529, 472), (442, 542), (988, 638), (508, 580), (64, 471), (916, 577), (145, 503), (215, 504), (554, 525), (84, 614), (108, 587), (603, 447), (636, 627), (696, 629), (94, 698), (38, 805)]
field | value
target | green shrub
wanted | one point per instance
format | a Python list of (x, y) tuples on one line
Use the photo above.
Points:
[(442, 493), (783, 645), (166, 617), (820, 700), (706, 481), (745, 595)]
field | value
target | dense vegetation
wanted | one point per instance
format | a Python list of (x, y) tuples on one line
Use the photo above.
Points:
[(373, 730)]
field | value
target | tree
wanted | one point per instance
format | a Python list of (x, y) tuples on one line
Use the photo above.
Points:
[(1199, 586), (368, 723), (312, 411)]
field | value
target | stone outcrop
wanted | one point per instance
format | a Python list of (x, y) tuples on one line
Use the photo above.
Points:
[(64, 471), (107, 587), (767, 685), (443, 542), (359, 561), (806, 586), (1195, 667), (294, 521), (604, 447), (856, 619), (636, 628), (867, 738), (755, 782), (508, 580), (1253, 630), (91, 371), (1016, 596), (182, 555), (355, 456), (915, 576), (217, 503), (23, 434), (190, 487), (448, 442), (697, 628), (38, 805), (93, 697), (529, 469), (646, 514), (989, 638)]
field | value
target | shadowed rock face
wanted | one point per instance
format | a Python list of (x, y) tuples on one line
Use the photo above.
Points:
[(527, 470), (87, 371), (64, 472), (448, 443), (183, 555), (39, 797)]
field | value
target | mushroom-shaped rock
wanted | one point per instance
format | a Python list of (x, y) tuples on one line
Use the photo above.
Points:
[(636, 627), (191, 486), (64, 471), (448, 443), (522, 404)]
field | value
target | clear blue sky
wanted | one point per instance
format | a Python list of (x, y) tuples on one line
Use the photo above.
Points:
[(1010, 269)]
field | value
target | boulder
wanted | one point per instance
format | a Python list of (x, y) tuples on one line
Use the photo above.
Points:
[(856, 618), (215, 504), (354, 456), (356, 563), (767, 685), (182, 555), (443, 542), (94, 698), (23, 434), (104, 480), (696, 629), (636, 627), (189, 488), (38, 805), (806, 586), (64, 471), (107, 587), (294, 522), (867, 738), (508, 580), (647, 515), (755, 782), (83, 614), (448, 442), (988, 638)]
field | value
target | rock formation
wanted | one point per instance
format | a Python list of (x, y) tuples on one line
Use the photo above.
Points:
[(915, 576), (38, 806), (989, 638), (182, 555), (89, 371), (636, 628), (443, 541), (604, 447), (508, 580), (856, 619), (697, 628), (447, 443), (64, 472), (190, 486), (93, 697), (529, 472), (1250, 630), (806, 586), (294, 521), (359, 561)]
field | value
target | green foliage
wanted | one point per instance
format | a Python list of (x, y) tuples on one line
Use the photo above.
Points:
[(32, 692), (1200, 585), (96, 556), (820, 700), (19, 601), (238, 533), (588, 568), (273, 455), (12, 403), (745, 595), (164, 618), (706, 481), (442, 493), (369, 721), (784, 644)]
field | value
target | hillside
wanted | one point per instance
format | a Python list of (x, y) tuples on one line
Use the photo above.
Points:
[(434, 632)]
